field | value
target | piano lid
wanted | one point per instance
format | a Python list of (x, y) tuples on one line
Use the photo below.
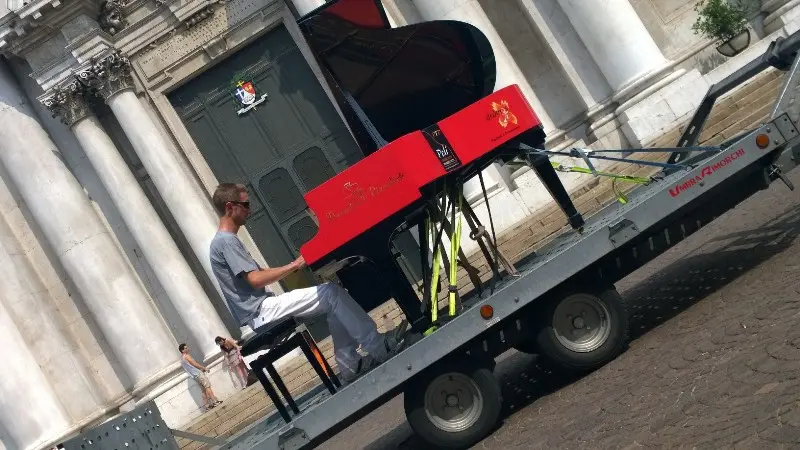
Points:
[(405, 78)]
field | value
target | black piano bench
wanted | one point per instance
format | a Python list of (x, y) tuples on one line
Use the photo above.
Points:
[(280, 338)]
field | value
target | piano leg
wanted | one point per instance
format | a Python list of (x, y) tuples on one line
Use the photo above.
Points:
[(549, 177)]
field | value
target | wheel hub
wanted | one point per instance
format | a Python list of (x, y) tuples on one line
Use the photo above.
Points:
[(581, 323), (453, 402)]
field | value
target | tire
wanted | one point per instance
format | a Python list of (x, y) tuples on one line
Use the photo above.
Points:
[(526, 345), (582, 331), (432, 407)]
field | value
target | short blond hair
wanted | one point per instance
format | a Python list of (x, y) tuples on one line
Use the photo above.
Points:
[(227, 192)]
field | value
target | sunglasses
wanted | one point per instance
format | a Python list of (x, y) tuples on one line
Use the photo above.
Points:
[(244, 204)]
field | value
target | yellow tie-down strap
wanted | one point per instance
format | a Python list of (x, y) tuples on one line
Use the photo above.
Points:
[(614, 176), (455, 244)]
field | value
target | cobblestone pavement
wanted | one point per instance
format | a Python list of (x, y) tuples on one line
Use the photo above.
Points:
[(715, 361)]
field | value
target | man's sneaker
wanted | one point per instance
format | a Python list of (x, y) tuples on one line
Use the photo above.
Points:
[(394, 340), (365, 364)]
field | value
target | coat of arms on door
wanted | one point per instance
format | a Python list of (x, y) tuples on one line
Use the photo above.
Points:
[(246, 95)]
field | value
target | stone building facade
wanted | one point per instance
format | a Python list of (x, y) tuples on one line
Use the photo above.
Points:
[(117, 120)]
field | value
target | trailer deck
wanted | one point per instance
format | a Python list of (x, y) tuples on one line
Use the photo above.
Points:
[(611, 229)]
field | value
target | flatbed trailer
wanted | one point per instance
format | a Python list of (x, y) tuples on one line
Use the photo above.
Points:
[(574, 272)]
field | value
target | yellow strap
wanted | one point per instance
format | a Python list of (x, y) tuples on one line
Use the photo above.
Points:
[(437, 257), (620, 195), (621, 198), (454, 246)]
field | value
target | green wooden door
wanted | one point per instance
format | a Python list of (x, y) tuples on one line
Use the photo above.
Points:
[(280, 149)]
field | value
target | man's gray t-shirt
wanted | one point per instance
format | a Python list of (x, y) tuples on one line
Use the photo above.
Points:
[(230, 261)]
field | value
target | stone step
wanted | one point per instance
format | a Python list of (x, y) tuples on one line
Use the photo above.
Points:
[(228, 416), (740, 116), (755, 117), (752, 89), (758, 90)]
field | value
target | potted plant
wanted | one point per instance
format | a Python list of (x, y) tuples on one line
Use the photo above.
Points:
[(725, 22)]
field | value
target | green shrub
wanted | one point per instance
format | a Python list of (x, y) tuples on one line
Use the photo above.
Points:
[(719, 19)]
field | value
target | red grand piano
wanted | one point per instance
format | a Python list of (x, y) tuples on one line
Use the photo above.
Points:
[(420, 102)]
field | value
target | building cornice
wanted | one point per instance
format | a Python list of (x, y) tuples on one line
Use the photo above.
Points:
[(27, 27), (61, 43)]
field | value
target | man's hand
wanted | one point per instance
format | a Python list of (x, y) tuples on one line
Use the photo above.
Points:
[(258, 279), (299, 263)]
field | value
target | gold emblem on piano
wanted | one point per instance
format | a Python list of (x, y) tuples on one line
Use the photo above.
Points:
[(355, 195), (354, 191), (503, 112)]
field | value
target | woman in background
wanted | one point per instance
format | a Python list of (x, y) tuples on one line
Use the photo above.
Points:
[(234, 361)]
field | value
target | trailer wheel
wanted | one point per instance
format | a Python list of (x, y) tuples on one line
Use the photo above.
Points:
[(454, 408), (583, 331)]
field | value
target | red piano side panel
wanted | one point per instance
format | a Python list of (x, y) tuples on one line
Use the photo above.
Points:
[(369, 191), (489, 123)]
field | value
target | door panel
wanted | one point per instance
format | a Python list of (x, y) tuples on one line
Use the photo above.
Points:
[(313, 168), (280, 149), (281, 190), (282, 120), (302, 230), (246, 138), (223, 163), (281, 195)]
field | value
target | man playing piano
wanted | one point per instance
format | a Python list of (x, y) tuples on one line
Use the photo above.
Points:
[(244, 286)]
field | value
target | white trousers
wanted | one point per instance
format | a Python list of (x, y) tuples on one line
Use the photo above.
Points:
[(349, 324)]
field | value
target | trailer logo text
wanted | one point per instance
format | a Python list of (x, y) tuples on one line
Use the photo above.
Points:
[(707, 171)]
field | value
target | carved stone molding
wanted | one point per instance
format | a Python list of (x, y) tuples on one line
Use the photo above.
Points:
[(68, 103), (112, 18), (107, 75), (199, 16)]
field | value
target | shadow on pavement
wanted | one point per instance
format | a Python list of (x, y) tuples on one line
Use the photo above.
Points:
[(653, 301)]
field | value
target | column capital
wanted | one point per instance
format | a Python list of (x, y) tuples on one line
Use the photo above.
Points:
[(107, 75), (68, 102)]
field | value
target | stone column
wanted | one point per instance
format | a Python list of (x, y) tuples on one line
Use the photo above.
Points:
[(32, 309), (579, 66), (30, 413), (184, 197), (617, 40), (56, 200), (173, 272)]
